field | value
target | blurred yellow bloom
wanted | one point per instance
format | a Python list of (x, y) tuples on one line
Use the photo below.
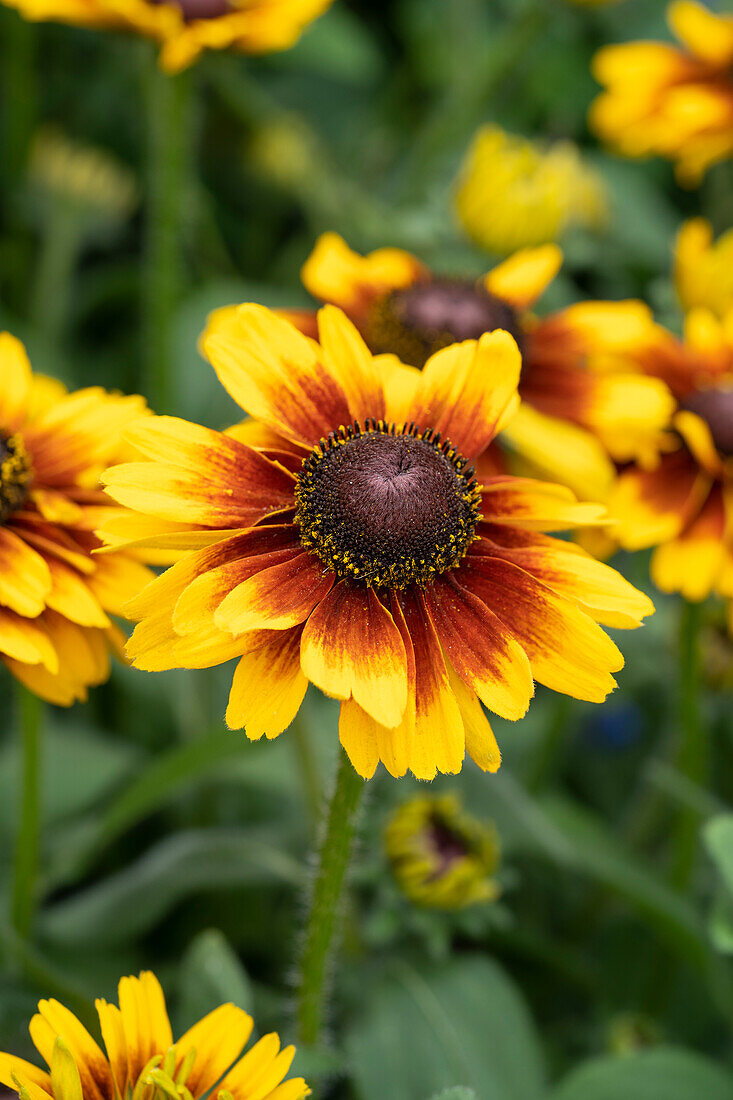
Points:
[(703, 269), (79, 174), (184, 28), (675, 102), (441, 857), (512, 194), (143, 1062)]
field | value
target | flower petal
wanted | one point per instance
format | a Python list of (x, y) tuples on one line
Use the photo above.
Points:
[(217, 1039), (268, 686), (276, 375), (277, 598), (652, 506), (334, 273), (536, 505), (523, 277), (481, 648), (481, 744), (567, 651), (691, 563), (25, 579), (15, 370), (464, 390), (351, 646), (10, 1066), (347, 358), (53, 1021)]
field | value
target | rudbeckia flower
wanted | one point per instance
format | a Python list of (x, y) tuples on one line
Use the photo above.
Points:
[(184, 28), (141, 1059), (512, 194), (341, 537), (703, 271), (582, 404), (667, 100), (56, 597), (441, 857), (681, 501)]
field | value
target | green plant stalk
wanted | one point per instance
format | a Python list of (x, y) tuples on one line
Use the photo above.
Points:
[(319, 940), (20, 97), (168, 103), (57, 262), (693, 754), (25, 869)]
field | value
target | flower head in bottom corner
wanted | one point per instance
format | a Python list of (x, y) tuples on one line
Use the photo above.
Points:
[(141, 1060)]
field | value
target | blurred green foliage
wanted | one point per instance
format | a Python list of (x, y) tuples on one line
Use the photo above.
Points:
[(172, 844)]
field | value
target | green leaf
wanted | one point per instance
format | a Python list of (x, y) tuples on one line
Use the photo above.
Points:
[(422, 1027), (211, 974), (718, 839), (661, 1074), (133, 900)]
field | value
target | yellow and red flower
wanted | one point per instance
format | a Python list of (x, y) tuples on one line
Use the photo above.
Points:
[(667, 100), (441, 857), (341, 537), (141, 1058), (184, 28), (56, 597), (582, 404), (682, 500)]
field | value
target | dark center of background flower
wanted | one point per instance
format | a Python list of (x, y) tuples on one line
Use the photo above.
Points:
[(416, 322), (385, 507), (200, 9), (715, 407), (446, 845), (15, 474)]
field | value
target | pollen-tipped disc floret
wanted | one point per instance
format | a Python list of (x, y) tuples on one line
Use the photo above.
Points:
[(715, 407), (419, 320), (16, 474), (387, 506)]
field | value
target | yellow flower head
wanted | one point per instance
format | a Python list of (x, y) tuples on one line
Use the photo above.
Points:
[(341, 536), (511, 194), (682, 502), (141, 1060), (85, 177), (441, 857), (582, 403), (670, 101), (184, 28), (56, 595), (703, 269)]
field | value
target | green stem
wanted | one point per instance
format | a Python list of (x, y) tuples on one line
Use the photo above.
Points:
[(25, 870), (55, 274), (20, 97), (319, 943), (692, 757), (169, 119)]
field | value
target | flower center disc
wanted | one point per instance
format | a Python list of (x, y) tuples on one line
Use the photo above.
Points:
[(715, 407), (387, 507), (416, 322), (15, 474)]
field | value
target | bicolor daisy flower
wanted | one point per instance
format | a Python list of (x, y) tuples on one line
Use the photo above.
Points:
[(667, 100), (682, 500), (441, 857), (141, 1060), (703, 272), (185, 28), (56, 597), (582, 405), (341, 537)]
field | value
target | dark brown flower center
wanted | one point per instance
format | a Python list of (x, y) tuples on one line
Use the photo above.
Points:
[(715, 407), (416, 322), (200, 9), (446, 845), (387, 507), (16, 474)]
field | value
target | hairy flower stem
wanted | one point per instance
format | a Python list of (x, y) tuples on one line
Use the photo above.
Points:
[(692, 757), (25, 871), (318, 942), (168, 108)]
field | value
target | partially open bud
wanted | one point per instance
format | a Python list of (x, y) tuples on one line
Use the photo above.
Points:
[(441, 857)]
